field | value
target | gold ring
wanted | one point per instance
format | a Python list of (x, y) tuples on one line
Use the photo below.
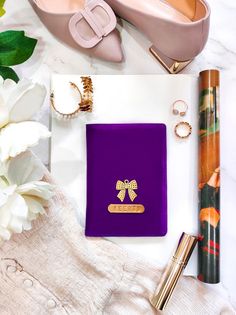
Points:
[(180, 107), (183, 130)]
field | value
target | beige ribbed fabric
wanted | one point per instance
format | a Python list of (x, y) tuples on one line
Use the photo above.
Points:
[(54, 269)]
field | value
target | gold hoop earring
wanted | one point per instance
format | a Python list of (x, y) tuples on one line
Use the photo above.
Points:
[(86, 103)]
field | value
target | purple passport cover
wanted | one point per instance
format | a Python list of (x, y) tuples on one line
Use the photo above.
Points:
[(133, 152)]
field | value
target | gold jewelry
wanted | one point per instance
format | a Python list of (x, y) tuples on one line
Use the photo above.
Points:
[(180, 107), (129, 186), (183, 130), (86, 103), (126, 208)]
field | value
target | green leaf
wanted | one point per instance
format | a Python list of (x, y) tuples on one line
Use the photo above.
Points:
[(2, 11), (8, 73), (15, 47)]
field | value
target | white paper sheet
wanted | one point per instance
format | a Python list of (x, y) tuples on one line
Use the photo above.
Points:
[(129, 99)]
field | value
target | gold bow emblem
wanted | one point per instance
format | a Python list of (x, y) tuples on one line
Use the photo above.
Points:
[(126, 185)]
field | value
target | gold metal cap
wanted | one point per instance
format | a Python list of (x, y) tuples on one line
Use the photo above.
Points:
[(185, 248), (173, 271), (209, 78)]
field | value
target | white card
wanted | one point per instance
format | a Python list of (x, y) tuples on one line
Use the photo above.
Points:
[(134, 99)]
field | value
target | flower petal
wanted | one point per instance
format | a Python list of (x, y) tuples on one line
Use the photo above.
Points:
[(3, 168), (18, 137), (12, 92), (34, 205), (2, 102), (5, 193), (18, 206), (27, 225), (26, 101), (9, 84), (1, 81), (3, 198), (3, 184), (14, 214), (5, 234), (16, 225), (4, 115), (38, 189), (6, 89), (5, 215), (24, 168)]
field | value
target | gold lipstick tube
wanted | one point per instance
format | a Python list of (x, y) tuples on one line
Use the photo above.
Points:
[(173, 271)]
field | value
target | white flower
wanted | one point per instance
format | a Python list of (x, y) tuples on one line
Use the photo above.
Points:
[(18, 103), (23, 194)]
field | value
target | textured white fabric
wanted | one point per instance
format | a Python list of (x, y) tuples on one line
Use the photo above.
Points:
[(54, 269)]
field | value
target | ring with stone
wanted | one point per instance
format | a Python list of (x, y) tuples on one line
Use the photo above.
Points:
[(180, 107)]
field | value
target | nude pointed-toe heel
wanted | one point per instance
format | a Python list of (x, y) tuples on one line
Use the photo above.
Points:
[(178, 29), (86, 25)]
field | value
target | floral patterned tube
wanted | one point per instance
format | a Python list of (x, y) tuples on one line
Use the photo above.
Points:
[(209, 178)]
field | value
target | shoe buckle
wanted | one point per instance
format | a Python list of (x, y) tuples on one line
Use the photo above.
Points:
[(94, 23)]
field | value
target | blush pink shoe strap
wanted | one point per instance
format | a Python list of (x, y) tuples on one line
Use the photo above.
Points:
[(95, 24)]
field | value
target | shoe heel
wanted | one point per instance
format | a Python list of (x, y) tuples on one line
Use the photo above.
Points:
[(171, 65)]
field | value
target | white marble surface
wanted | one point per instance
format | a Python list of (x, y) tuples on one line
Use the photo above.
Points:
[(220, 52)]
